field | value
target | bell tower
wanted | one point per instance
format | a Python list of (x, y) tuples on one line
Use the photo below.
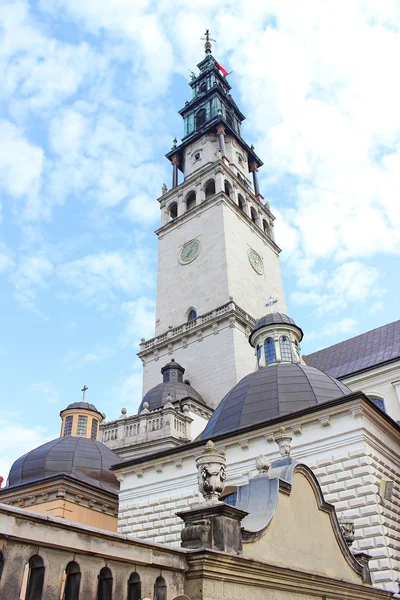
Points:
[(218, 263)]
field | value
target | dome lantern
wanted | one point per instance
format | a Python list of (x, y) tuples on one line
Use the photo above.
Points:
[(276, 338), (80, 419)]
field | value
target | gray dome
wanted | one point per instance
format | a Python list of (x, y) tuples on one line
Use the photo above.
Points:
[(84, 405), (82, 458), (172, 385), (272, 319), (157, 396), (271, 392)]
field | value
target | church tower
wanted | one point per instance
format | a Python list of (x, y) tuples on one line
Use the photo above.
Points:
[(218, 263)]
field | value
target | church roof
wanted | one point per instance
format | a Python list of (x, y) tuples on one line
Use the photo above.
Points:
[(271, 392), (83, 458), (360, 353), (275, 318), (82, 405), (156, 397)]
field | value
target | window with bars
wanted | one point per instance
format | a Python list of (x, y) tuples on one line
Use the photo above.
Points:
[(68, 426), (284, 344), (269, 347), (95, 427), (258, 354), (82, 425)]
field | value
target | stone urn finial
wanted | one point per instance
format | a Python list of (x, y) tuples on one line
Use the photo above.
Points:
[(211, 473), (262, 465), (283, 440)]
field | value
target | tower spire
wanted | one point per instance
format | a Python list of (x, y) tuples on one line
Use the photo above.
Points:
[(208, 39)]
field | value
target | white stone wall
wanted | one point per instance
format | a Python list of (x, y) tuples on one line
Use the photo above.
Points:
[(203, 283), (210, 361), (249, 289), (337, 446), (383, 382)]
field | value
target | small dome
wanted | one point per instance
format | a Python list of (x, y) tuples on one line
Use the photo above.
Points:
[(274, 319), (81, 405), (157, 397), (270, 392), (172, 388), (82, 458)]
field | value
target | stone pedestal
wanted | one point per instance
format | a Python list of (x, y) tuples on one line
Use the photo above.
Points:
[(213, 527)]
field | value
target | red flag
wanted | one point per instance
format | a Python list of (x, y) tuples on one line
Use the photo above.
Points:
[(221, 68)]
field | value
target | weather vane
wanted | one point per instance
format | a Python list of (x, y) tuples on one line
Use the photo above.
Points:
[(208, 39), (83, 390)]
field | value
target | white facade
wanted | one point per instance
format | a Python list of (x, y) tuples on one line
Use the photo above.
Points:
[(350, 446), (222, 272), (383, 382)]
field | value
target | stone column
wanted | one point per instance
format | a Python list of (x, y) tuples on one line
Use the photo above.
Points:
[(253, 169), (221, 136), (175, 163)]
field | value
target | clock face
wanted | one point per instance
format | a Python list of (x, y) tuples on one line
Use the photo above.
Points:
[(189, 252), (256, 262)]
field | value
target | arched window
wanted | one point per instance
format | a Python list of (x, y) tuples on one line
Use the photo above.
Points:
[(241, 202), (258, 354), (160, 589), (192, 315), (190, 200), (82, 425), (34, 589), (253, 215), (200, 118), (266, 227), (229, 119), (269, 348), (104, 589), (284, 344), (134, 587), (210, 188), (173, 210), (297, 350), (72, 581), (227, 188), (378, 402), (203, 87)]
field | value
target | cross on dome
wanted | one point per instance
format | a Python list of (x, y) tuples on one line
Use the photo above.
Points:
[(84, 390)]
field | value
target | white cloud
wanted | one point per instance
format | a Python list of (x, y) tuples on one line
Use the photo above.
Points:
[(46, 391), (100, 278), (77, 359), (31, 274), (351, 282), (21, 163), (17, 440), (140, 319)]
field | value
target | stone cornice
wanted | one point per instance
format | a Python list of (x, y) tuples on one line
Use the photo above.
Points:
[(227, 311), (245, 571), (61, 488), (355, 402)]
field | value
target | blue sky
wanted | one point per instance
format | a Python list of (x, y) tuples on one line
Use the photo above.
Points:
[(89, 99)]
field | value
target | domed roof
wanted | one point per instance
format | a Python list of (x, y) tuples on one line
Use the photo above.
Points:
[(83, 458), (157, 396), (272, 319), (172, 385), (83, 405), (270, 392)]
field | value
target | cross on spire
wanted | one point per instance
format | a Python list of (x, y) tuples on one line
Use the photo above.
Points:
[(83, 390), (271, 302), (208, 39)]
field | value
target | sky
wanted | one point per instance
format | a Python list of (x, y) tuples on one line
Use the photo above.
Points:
[(88, 108)]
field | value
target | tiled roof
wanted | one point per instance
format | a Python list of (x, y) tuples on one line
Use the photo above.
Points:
[(359, 353)]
